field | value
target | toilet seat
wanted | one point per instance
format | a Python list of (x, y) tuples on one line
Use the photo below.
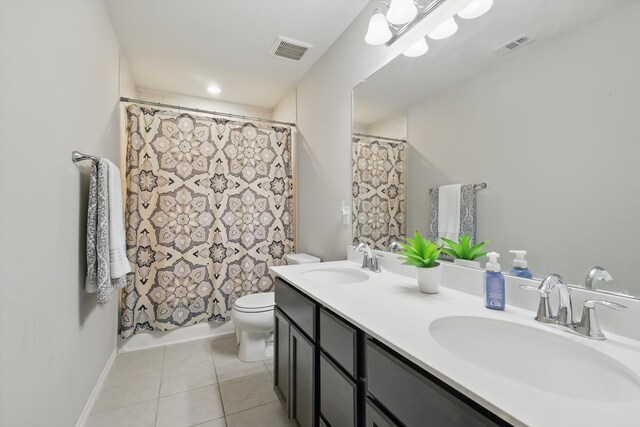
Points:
[(255, 303)]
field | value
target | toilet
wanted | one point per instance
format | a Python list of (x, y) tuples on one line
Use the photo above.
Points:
[(253, 317)]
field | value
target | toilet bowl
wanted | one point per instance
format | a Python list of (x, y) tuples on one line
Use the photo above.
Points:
[(253, 317)]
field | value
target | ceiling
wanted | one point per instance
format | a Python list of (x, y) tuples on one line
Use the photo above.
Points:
[(405, 82), (184, 46)]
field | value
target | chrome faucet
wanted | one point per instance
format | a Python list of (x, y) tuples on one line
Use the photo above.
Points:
[(588, 325), (545, 313), (370, 261), (395, 247), (596, 274)]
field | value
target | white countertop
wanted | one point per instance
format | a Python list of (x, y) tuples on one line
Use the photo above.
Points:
[(390, 308)]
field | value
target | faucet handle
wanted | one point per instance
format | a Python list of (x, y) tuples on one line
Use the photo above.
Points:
[(591, 304), (533, 288), (589, 325)]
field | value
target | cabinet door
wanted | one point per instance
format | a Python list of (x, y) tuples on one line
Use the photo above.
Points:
[(281, 359), (338, 395), (303, 373), (375, 418)]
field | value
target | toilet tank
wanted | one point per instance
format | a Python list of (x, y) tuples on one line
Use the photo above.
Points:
[(301, 258)]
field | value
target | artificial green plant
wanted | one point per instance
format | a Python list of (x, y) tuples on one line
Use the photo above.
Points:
[(463, 249), (420, 252)]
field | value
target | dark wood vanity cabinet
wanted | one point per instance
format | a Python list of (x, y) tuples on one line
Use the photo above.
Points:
[(328, 373)]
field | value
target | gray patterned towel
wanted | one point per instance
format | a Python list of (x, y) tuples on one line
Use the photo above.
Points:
[(98, 263), (467, 212)]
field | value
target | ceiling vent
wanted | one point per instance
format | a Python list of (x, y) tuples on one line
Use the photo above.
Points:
[(514, 44), (289, 49)]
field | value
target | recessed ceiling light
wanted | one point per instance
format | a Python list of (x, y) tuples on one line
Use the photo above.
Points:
[(213, 90)]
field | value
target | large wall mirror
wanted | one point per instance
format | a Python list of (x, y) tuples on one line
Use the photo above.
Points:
[(551, 124)]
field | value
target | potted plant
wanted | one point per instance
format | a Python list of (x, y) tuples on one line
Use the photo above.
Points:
[(463, 253), (423, 254)]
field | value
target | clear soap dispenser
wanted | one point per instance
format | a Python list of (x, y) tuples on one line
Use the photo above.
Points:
[(493, 284)]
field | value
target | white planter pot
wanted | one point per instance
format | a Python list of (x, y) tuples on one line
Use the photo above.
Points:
[(429, 279), (467, 263)]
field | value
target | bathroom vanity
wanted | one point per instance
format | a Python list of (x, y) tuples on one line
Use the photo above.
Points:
[(357, 348)]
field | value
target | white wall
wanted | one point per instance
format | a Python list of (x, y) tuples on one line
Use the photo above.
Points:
[(286, 110), (209, 104), (58, 92), (392, 127), (554, 133), (324, 124)]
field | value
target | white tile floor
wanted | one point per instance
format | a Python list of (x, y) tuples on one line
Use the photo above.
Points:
[(200, 383)]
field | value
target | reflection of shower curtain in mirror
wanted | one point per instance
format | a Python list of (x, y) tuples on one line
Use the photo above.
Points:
[(379, 199), (209, 207)]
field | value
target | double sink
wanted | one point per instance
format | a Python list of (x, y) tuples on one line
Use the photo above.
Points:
[(530, 355)]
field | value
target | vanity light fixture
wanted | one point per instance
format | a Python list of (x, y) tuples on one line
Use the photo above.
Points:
[(214, 90), (418, 48), (444, 30), (378, 32), (401, 11), (475, 8), (401, 16)]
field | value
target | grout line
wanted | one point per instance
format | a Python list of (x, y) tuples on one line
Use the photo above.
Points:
[(123, 406), (215, 368), (164, 358), (254, 407)]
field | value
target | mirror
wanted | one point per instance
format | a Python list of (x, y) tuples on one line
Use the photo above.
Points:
[(379, 180), (532, 100)]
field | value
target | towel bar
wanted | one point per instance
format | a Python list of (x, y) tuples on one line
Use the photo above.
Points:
[(77, 156), (476, 187)]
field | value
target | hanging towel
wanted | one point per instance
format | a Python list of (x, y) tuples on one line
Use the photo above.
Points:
[(444, 218), (99, 278), (449, 211), (118, 261)]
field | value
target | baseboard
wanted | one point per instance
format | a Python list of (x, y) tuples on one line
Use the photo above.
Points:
[(86, 411), (195, 332)]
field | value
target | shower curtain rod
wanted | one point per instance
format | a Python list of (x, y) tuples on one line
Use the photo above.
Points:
[(198, 110), (379, 137)]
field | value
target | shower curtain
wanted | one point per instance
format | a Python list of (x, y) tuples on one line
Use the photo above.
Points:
[(379, 199), (209, 207)]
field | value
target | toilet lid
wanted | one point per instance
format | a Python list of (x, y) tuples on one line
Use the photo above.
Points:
[(255, 302)]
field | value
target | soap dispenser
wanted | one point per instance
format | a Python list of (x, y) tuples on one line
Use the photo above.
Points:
[(520, 265), (493, 284)]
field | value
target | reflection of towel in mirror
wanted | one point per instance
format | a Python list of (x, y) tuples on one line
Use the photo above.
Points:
[(453, 212), (107, 263), (449, 211)]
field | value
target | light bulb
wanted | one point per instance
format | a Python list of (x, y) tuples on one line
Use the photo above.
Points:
[(378, 31), (213, 90), (418, 48), (444, 30), (475, 8), (401, 11)]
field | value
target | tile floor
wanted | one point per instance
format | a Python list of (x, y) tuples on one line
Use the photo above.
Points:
[(200, 383)]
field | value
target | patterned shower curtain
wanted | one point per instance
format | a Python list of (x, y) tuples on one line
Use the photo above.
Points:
[(209, 207), (379, 199)]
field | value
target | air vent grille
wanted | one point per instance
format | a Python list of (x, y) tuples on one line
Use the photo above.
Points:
[(289, 49), (514, 44)]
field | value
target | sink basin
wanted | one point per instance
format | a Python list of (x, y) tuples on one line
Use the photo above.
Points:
[(336, 275), (536, 358)]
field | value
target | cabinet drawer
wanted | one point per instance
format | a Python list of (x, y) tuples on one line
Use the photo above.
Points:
[(300, 309), (414, 398), (374, 417), (338, 395), (339, 340)]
